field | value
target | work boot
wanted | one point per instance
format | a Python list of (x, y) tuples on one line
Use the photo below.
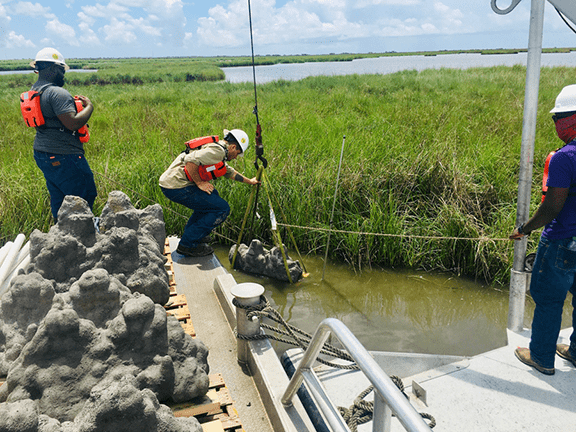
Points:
[(563, 351), (523, 354), (201, 250)]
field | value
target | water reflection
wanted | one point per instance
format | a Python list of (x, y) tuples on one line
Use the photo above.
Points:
[(399, 310)]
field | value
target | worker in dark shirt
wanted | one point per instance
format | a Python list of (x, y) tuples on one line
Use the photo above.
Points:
[(554, 270), (58, 148)]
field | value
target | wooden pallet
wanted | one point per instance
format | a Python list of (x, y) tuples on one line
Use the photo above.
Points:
[(215, 411), (169, 266), (177, 305)]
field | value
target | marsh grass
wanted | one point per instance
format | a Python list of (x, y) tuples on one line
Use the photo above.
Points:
[(427, 154)]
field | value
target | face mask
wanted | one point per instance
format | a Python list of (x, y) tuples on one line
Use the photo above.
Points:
[(566, 128)]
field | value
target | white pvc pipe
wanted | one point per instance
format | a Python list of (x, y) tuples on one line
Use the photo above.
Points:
[(24, 252), (22, 264), (10, 260), (4, 251)]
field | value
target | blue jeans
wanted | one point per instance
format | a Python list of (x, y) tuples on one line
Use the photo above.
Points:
[(210, 210), (66, 175), (553, 275)]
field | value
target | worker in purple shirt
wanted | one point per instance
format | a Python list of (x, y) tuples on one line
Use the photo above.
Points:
[(554, 270)]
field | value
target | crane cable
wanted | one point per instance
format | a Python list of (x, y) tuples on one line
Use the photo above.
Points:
[(259, 145), (258, 140)]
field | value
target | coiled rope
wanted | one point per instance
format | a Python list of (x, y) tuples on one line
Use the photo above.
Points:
[(360, 411)]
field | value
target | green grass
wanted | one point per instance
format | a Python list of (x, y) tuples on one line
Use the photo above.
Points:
[(432, 153)]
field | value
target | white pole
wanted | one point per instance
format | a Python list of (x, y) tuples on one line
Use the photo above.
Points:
[(518, 277), (333, 206)]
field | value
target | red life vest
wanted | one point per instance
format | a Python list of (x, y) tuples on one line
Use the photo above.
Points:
[(32, 112), (83, 132), (545, 176), (206, 172), (30, 107)]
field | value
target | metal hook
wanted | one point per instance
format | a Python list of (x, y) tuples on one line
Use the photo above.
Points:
[(507, 10)]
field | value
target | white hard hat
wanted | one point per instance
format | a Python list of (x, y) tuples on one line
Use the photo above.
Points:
[(240, 136), (566, 100), (49, 55)]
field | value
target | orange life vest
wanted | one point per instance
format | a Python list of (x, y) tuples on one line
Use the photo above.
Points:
[(206, 172), (545, 176), (83, 132), (30, 107), (32, 112)]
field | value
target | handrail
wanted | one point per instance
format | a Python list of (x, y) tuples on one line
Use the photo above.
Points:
[(388, 398)]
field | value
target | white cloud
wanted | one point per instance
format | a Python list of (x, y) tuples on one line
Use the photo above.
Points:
[(125, 20), (451, 19), (59, 30), (86, 20), (89, 37), (4, 17), (293, 22), (31, 9), (14, 40), (365, 3), (119, 31)]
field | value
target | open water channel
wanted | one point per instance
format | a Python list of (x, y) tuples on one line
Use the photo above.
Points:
[(394, 309), (386, 65)]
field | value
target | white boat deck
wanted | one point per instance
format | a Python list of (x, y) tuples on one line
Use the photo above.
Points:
[(492, 392)]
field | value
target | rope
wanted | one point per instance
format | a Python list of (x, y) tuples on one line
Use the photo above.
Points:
[(394, 235), (360, 411), (481, 239), (299, 337)]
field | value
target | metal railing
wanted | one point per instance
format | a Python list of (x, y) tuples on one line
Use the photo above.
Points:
[(388, 398)]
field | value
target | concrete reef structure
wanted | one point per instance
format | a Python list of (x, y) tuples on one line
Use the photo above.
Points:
[(130, 247), (85, 343), (256, 259)]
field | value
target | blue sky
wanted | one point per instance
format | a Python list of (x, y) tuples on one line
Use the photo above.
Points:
[(160, 28)]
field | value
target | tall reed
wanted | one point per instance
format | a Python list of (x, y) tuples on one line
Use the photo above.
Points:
[(431, 157)]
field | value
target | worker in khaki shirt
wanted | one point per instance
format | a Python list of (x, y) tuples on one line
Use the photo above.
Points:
[(187, 182)]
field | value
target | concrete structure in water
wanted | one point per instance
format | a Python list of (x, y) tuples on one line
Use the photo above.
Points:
[(85, 343), (258, 260)]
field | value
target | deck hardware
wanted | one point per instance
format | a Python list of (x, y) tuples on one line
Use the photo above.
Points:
[(419, 392), (246, 294)]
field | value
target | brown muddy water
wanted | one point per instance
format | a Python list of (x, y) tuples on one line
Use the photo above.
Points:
[(395, 310)]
